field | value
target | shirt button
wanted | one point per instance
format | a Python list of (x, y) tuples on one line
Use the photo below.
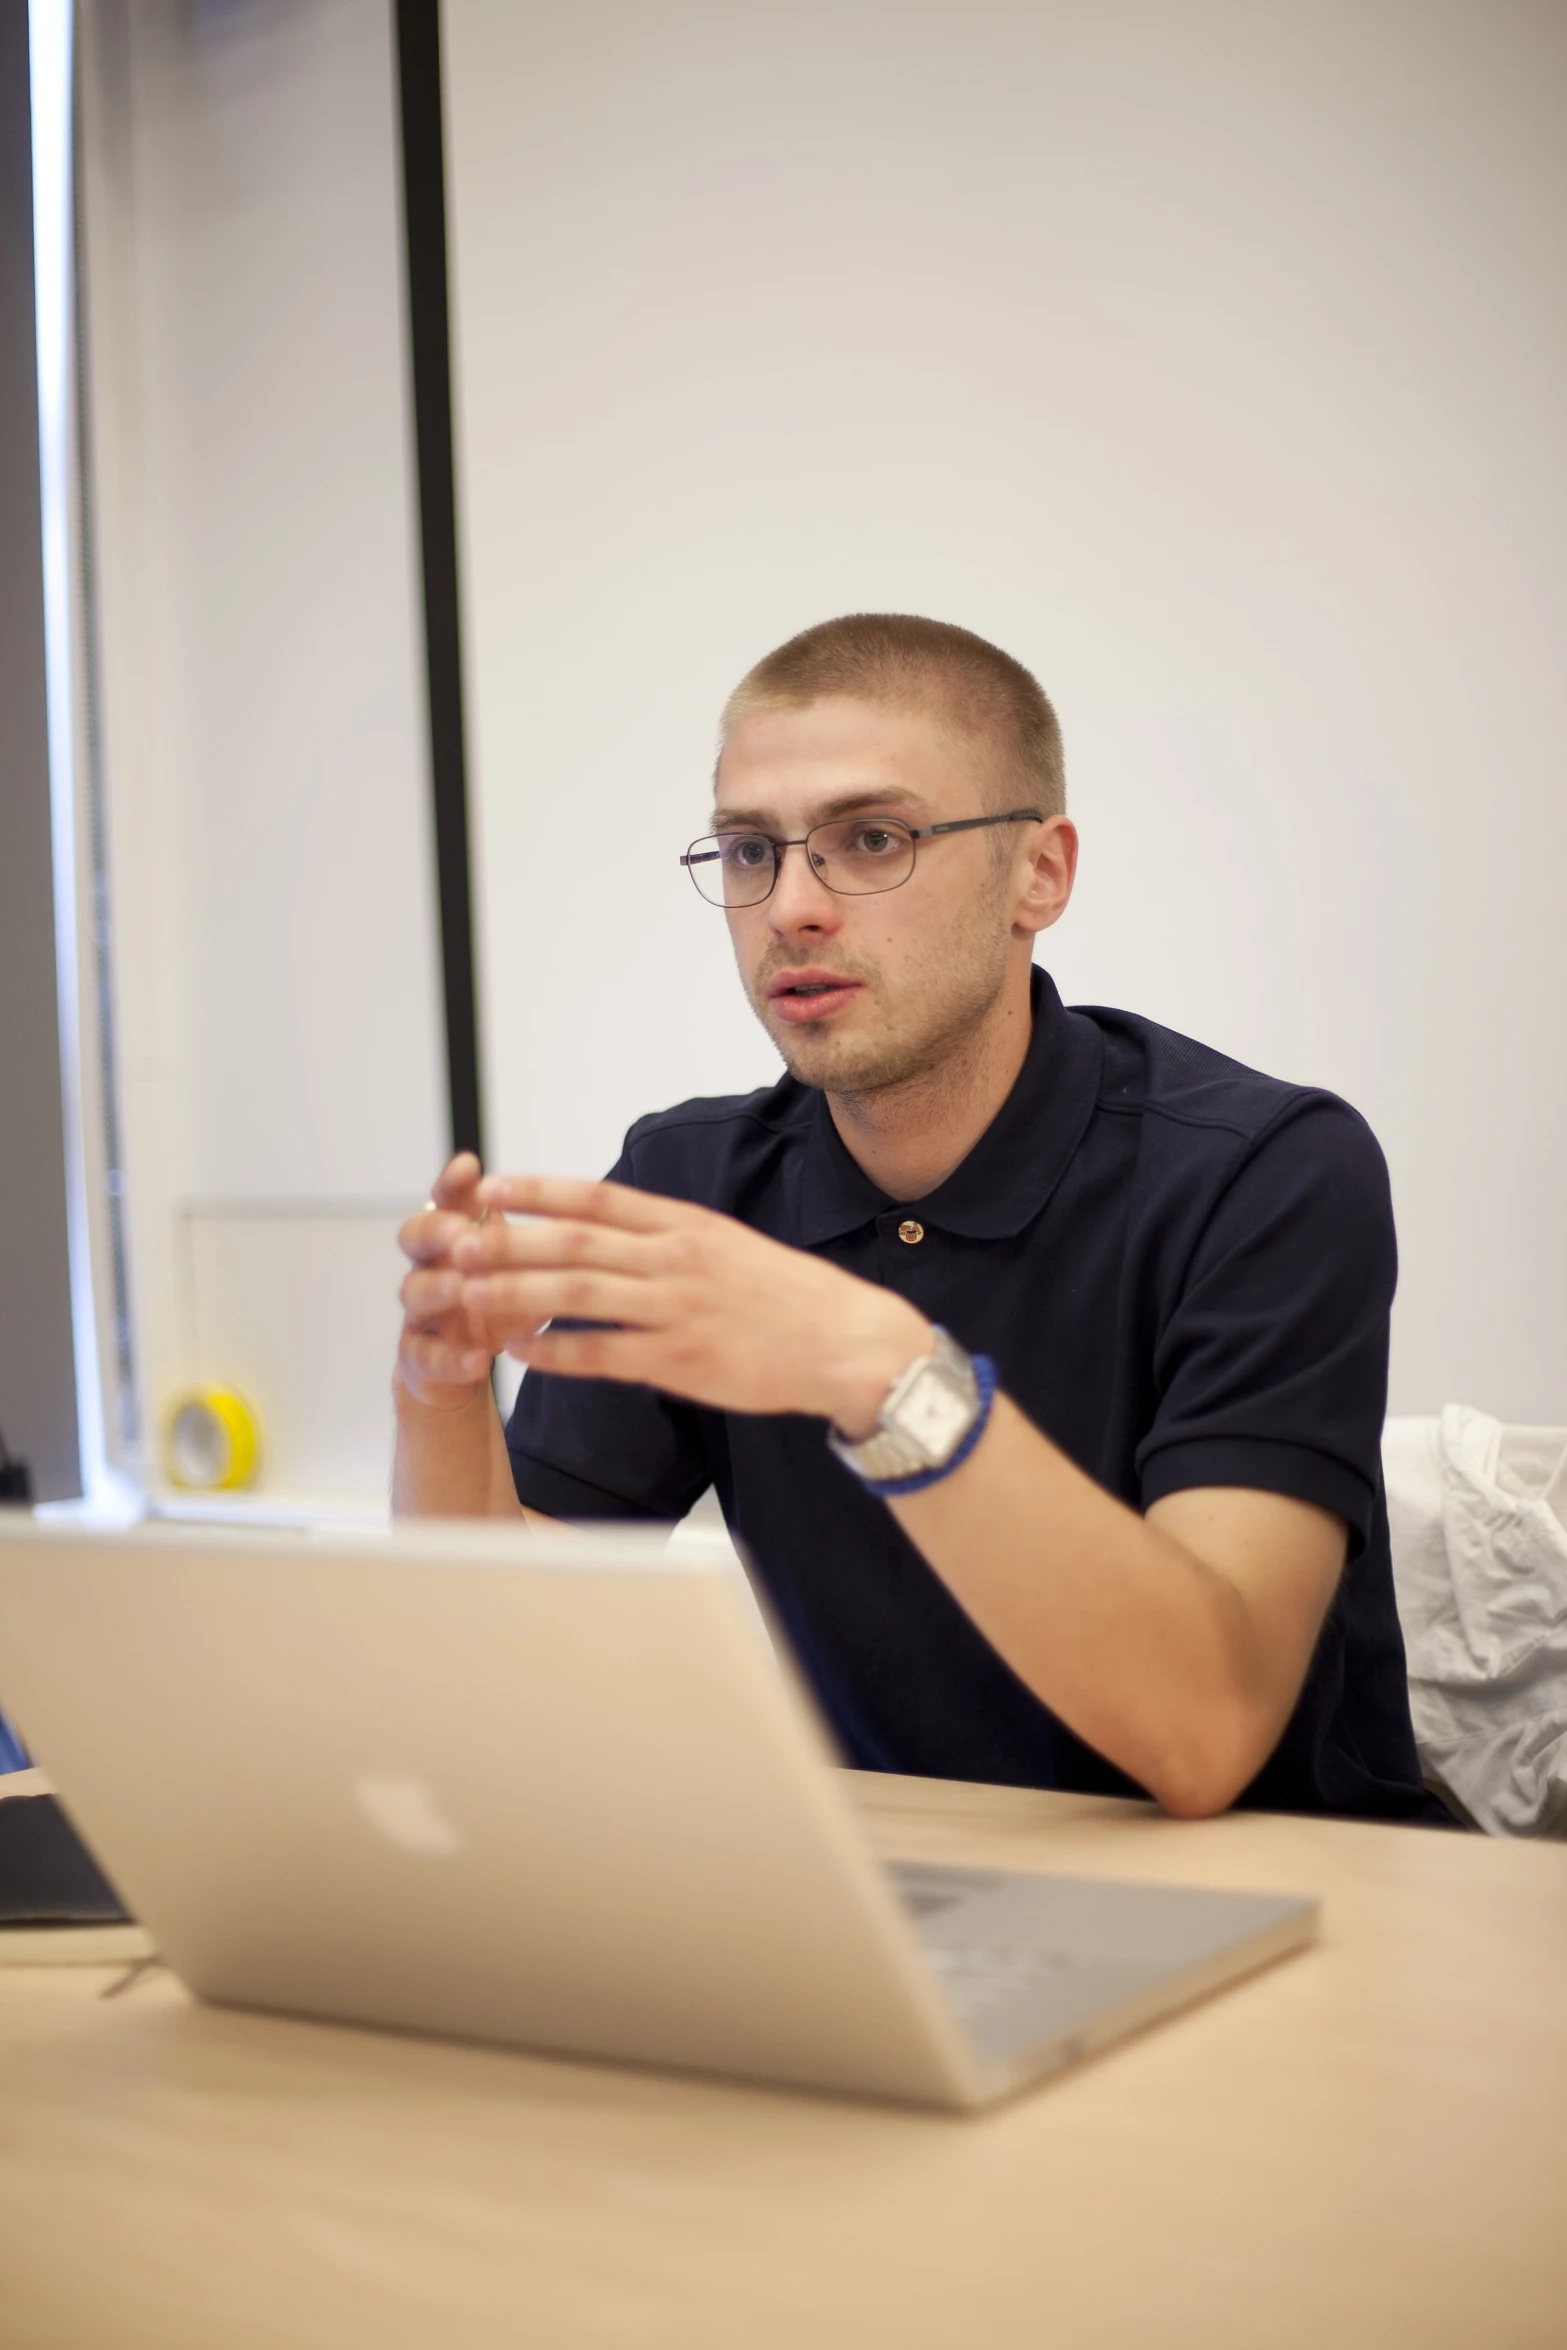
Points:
[(910, 1231)]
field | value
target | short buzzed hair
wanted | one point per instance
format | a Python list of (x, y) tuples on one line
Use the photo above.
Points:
[(964, 682)]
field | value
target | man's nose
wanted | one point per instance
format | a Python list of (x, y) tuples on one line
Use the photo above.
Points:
[(801, 900)]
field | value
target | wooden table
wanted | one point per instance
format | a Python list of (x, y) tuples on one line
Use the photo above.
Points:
[(1364, 2146)]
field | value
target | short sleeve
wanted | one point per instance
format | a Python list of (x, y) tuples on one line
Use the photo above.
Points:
[(597, 1448), (1271, 1361), (593, 1448)]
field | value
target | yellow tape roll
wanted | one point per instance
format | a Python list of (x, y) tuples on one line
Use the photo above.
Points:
[(211, 1441)]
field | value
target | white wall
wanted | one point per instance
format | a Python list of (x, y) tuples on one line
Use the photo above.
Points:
[(1210, 356), (278, 997)]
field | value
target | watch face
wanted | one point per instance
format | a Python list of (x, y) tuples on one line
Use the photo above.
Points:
[(935, 1414)]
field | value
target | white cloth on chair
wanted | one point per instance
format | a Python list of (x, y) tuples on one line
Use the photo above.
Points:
[(1479, 1524)]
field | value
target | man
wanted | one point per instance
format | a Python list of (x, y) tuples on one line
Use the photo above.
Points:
[(1038, 1357)]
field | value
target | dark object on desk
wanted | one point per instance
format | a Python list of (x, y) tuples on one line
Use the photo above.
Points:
[(16, 1478), (47, 1875)]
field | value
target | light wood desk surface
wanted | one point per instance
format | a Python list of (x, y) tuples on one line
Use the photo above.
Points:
[(1367, 2145)]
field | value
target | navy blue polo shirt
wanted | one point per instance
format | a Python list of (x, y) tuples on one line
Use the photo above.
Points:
[(1183, 1272)]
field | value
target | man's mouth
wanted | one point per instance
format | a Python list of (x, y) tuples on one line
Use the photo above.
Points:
[(810, 995)]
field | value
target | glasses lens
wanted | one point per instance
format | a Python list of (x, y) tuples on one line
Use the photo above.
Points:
[(732, 868), (860, 854)]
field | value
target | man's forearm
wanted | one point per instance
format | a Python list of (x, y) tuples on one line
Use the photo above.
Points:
[(1145, 1648), (451, 1464)]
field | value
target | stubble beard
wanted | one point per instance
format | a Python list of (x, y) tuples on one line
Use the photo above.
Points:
[(921, 1043)]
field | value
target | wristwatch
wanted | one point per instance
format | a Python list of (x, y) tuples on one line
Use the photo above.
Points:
[(934, 1411)]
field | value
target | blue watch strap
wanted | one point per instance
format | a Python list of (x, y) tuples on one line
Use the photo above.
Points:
[(894, 1488)]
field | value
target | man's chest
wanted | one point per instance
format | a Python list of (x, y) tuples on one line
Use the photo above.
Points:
[(1066, 1310)]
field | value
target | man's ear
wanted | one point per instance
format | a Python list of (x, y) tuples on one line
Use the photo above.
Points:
[(1046, 876)]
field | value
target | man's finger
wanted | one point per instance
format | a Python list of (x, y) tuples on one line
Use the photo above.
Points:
[(442, 1359), (513, 1302), (499, 1246), (455, 1184), (449, 1211), (431, 1234), (591, 1354), (593, 1203), (425, 1294)]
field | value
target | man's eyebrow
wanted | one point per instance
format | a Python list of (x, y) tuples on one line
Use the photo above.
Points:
[(893, 795)]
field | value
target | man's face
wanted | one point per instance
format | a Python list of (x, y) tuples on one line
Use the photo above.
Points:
[(912, 970)]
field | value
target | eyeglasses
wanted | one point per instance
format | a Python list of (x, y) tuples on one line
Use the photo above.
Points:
[(854, 855)]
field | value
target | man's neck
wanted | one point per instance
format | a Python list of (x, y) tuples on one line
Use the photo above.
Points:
[(909, 1138)]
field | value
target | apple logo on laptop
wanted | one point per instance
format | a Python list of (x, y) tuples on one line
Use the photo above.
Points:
[(406, 1813)]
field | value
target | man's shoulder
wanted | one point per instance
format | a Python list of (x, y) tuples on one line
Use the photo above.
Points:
[(704, 1147), (1209, 1127), (1191, 1088)]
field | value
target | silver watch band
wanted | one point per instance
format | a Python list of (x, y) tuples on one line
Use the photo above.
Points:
[(907, 1442)]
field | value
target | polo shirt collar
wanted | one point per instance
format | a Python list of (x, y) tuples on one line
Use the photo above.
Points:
[(1013, 1168)]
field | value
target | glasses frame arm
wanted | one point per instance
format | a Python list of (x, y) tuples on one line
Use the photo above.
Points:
[(974, 823)]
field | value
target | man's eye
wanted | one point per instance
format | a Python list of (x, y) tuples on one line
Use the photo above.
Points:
[(749, 852), (874, 840)]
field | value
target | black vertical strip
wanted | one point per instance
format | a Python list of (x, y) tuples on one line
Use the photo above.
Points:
[(424, 210)]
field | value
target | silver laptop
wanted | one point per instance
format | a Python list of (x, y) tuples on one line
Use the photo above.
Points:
[(555, 1792)]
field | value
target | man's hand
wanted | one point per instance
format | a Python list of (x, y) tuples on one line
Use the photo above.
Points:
[(442, 1359), (451, 1459), (700, 1305)]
